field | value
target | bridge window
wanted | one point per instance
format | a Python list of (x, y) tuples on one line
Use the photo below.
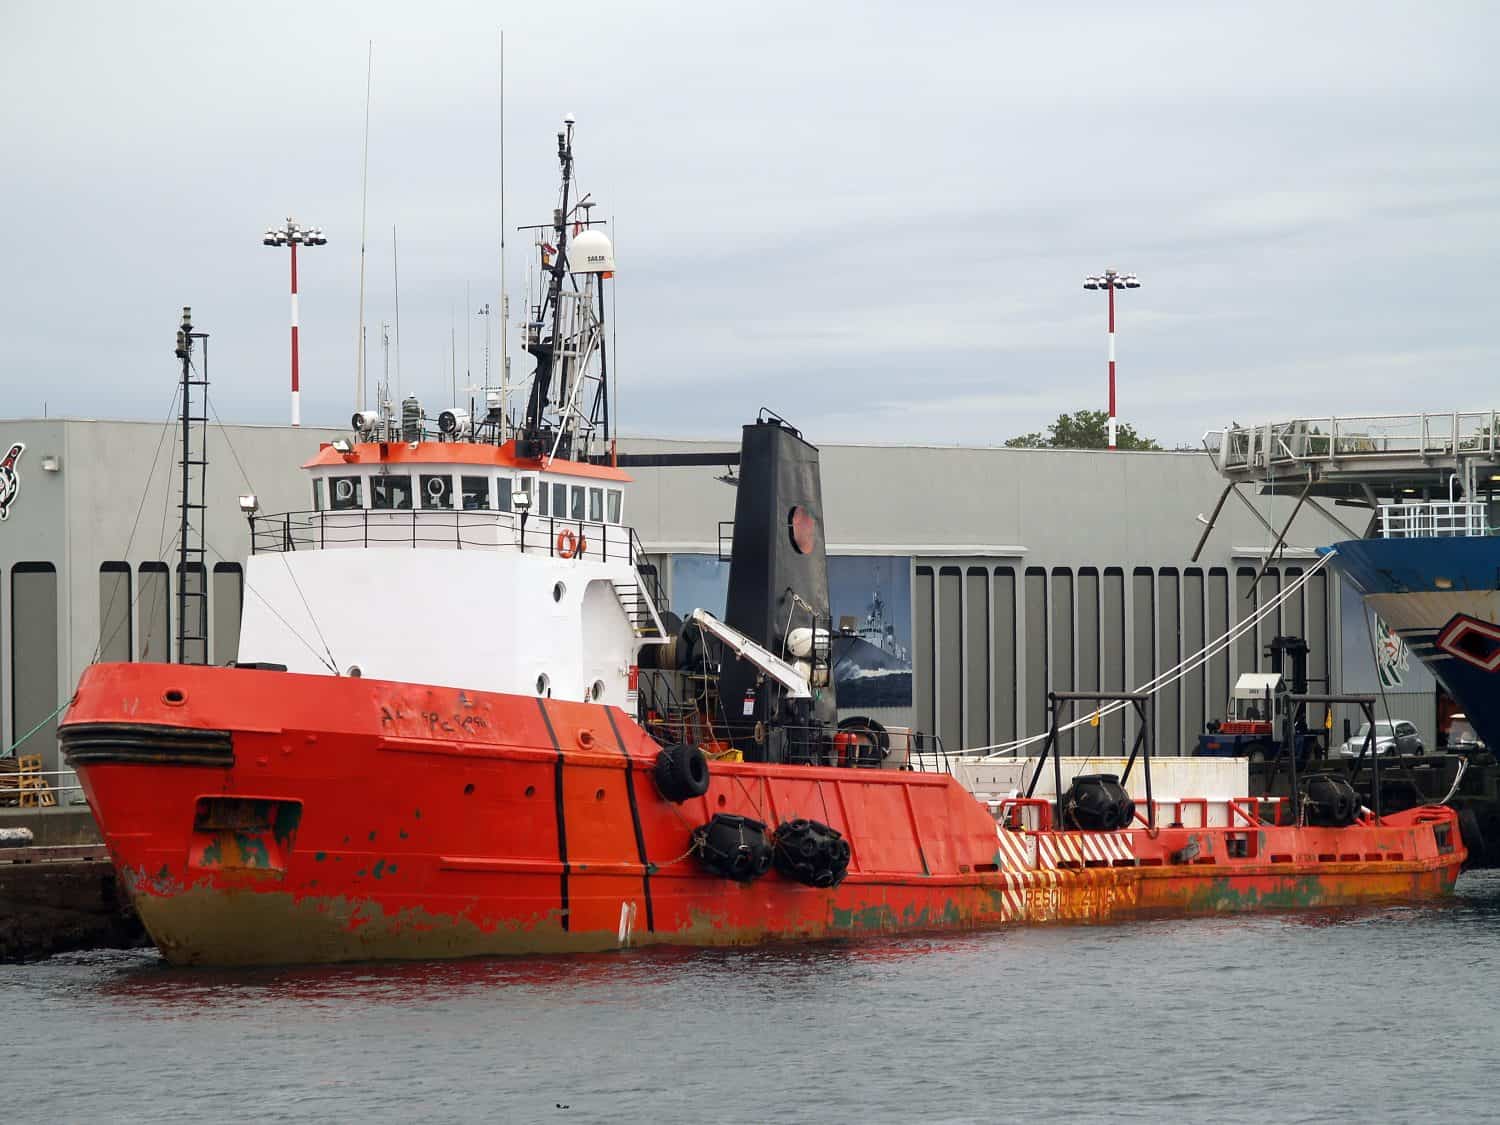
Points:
[(393, 491), (477, 494), (596, 505), (541, 499), (578, 502), (320, 494), (346, 493), (437, 490), (614, 505), (560, 501)]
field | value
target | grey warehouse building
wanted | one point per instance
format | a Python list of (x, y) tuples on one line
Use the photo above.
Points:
[(997, 573)]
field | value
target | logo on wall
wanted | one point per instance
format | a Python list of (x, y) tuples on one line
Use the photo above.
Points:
[(10, 480), (1392, 658)]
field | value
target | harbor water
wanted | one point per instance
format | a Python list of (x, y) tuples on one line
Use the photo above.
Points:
[(1376, 1014)]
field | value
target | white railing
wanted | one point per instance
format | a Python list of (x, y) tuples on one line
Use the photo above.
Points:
[(441, 529), (1463, 518), (1334, 438)]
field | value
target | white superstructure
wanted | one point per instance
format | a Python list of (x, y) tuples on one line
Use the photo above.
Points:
[(455, 564)]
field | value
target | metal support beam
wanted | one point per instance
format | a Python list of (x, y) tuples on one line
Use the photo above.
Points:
[(1280, 538), (1213, 519), (1326, 514), (1245, 500), (1055, 701)]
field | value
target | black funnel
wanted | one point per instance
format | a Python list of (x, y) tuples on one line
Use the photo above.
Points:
[(778, 581)]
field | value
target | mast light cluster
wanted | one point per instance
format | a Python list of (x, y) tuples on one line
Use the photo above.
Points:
[(1112, 280), (294, 233)]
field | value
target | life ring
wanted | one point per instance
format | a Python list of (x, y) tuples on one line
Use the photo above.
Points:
[(569, 543)]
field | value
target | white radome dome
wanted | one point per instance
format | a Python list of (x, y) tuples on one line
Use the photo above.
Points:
[(591, 252)]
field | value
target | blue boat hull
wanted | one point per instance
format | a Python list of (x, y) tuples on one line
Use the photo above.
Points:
[(1442, 597)]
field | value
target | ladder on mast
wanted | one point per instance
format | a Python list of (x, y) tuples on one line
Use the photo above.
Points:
[(192, 576)]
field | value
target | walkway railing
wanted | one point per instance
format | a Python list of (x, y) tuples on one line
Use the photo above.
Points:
[(1333, 439), (1443, 518)]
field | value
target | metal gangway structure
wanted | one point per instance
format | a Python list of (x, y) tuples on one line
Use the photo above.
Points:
[(1412, 474)]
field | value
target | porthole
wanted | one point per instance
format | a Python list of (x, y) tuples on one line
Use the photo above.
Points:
[(558, 590), (596, 691), (543, 682)]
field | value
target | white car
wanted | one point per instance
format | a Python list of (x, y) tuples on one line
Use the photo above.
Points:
[(1398, 737)]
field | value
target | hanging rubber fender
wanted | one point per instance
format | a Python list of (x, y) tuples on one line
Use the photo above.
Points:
[(1097, 802), (735, 847), (1328, 800), (681, 772), (1473, 837), (810, 852), (570, 543)]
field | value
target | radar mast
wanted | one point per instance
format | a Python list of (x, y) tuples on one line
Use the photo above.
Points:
[(567, 411)]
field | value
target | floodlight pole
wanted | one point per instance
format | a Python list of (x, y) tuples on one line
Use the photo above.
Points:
[(292, 234), (1111, 280), (1113, 415), (296, 389)]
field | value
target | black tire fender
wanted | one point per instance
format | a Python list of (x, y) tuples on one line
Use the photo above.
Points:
[(1473, 837), (681, 773)]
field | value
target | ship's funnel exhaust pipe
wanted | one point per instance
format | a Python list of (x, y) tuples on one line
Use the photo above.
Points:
[(778, 595)]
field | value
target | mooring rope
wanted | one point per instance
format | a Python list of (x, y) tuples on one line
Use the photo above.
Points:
[(1165, 679)]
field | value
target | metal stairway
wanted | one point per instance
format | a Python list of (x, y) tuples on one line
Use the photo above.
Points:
[(639, 599), (639, 610)]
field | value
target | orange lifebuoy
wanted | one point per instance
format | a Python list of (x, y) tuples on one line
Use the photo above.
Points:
[(570, 544)]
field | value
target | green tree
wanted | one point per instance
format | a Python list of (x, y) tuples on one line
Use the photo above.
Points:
[(1083, 429)]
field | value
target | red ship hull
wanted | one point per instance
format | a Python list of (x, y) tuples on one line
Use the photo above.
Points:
[(264, 817)]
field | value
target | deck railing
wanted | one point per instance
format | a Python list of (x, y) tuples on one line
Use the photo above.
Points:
[(1336, 438), (438, 528), (672, 719), (1429, 518)]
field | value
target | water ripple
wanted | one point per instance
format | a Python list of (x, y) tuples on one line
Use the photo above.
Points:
[(1353, 1015)]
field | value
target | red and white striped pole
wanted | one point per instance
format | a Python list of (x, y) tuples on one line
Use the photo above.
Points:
[(1111, 280), (1113, 417), (294, 235), (296, 390)]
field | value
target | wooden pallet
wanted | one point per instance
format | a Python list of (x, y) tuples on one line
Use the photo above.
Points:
[(35, 793)]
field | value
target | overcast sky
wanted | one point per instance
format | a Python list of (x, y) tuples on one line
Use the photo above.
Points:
[(873, 217)]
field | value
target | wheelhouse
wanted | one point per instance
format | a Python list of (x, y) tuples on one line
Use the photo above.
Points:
[(453, 493)]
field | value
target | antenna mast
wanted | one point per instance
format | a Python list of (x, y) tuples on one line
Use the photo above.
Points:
[(396, 281), (383, 392), (504, 291), (364, 203), (555, 265)]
